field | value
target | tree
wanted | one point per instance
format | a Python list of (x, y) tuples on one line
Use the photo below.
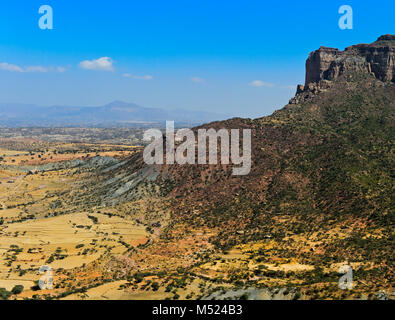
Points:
[(4, 294), (17, 289), (155, 286), (138, 277)]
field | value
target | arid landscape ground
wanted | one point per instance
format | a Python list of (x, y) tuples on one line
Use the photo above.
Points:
[(319, 196)]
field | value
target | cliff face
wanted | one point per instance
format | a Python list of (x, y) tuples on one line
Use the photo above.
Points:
[(327, 64)]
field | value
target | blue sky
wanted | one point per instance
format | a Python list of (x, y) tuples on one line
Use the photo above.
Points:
[(237, 57)]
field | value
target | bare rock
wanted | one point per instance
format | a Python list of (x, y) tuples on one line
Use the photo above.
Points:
[(377, 58)]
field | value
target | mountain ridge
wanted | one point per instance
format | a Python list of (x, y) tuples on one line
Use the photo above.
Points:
[(326, 64)]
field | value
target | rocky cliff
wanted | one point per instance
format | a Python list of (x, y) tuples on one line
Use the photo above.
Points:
[(327, 64)]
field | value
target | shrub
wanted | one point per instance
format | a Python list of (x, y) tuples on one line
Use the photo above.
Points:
[(4, 294)]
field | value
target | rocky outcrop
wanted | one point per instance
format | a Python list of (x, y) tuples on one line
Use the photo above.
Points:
[(327, 64), (377, 58)]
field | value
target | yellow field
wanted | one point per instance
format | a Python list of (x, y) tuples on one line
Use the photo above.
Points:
[(38, 225)]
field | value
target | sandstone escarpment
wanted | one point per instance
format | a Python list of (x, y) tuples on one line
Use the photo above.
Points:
[(377, 58), (327, 64)]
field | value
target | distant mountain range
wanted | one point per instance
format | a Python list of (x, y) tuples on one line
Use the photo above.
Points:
[(117, 113)]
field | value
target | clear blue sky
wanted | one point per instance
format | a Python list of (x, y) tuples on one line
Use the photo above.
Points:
[(198, 55)]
